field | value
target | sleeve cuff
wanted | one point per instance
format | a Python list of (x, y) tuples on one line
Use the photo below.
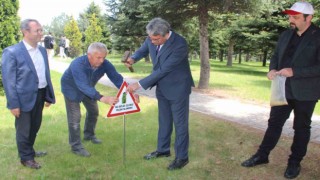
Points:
[(141, 86)]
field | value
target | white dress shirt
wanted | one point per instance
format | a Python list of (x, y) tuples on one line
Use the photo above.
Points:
[(38, 62)]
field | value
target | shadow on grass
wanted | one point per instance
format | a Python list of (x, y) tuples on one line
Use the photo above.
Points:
[(261, 83)]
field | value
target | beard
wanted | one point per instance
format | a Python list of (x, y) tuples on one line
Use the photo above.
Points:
[(294, 27)]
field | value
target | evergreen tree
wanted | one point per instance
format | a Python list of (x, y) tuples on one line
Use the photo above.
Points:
[(130, 14), (102, 22), (9, 27), (72, 32), (127, 20), (93, 32), (9, 23)]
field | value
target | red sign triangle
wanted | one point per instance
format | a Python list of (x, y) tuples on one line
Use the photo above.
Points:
[(126, 104)]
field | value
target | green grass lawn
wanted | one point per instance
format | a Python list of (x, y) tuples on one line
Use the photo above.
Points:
[(216, 149)]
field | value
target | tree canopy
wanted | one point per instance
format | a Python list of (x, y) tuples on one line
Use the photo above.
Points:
[(214, 29)]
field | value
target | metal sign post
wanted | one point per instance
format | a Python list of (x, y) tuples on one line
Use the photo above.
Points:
[(124, 138), (127, 105)]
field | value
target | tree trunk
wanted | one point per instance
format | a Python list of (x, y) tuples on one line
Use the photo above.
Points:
[(264, 61), (247, 56), (230, 52), (204, 46), (221, 55), (240, 54), (260, 57)]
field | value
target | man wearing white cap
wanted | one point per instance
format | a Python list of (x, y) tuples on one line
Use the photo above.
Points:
[(297, 57)]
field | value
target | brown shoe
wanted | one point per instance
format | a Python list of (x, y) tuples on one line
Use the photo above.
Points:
[(31, 164)]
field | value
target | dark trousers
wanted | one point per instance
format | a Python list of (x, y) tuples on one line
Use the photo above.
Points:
[(173, 112), (74, 117), (27, 127), (303, 111)]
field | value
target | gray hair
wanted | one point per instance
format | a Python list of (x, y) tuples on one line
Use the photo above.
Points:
[(158, 26), (25, 24), (97, 47)]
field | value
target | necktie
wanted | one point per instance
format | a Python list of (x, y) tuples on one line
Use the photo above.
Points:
[(157, 50)]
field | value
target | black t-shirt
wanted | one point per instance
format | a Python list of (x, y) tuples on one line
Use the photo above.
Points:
[(287, 59), (48, 42)]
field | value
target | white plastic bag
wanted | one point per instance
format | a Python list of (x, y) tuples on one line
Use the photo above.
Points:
[(278, 92)]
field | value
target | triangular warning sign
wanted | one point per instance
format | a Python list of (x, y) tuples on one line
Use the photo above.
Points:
[(126, 104)]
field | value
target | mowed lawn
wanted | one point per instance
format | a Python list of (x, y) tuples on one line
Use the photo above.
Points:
[(217, 148)]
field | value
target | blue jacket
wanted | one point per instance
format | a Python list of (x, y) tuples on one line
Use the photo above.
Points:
[(79, 79), (20, 79), (171, 71)]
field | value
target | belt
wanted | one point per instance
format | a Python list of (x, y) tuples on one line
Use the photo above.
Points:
[(41, 89)]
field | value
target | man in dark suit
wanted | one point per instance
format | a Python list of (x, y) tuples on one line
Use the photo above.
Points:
[(297, 57), (172, 76), (27, 85)]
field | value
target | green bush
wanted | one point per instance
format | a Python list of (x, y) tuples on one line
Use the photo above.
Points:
[(1, 85)]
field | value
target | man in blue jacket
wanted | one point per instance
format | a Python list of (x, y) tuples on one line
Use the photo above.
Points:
[(28, 87), (78, 85), (172, 76)]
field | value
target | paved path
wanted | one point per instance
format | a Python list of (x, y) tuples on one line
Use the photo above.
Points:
[(252, 115)]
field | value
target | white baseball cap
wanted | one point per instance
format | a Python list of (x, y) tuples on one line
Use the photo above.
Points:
[(300, 8)]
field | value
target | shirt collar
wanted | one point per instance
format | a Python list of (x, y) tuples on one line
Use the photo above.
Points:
[(306, 31), (170, 32), (28, 46)]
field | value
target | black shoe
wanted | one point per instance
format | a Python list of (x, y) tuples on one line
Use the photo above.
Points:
[(94, 140), (31, 164), (40, 153), (81, 152), (255, 160), (292, 171), (178, 164), (156, 154)]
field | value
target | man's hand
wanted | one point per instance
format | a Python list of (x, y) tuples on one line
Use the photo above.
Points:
[(272, 74), (47, 104), (136, 98), (133, 87), (15, 112), (109, 100), (286, 72), (129, 62)]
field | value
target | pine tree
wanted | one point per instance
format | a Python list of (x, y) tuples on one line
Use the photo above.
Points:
[(93, 32), (9, 27), (73, 33)]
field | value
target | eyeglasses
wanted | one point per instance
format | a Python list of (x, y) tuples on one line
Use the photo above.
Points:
[(36, 31)]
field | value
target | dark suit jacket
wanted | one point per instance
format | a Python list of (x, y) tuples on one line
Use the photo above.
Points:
[(20, 79), (171, 71), (305, 83)]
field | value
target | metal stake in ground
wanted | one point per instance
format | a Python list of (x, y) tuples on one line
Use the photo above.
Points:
[(124, 138)]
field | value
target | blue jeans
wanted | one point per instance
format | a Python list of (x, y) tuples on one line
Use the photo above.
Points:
[(74, 117)]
